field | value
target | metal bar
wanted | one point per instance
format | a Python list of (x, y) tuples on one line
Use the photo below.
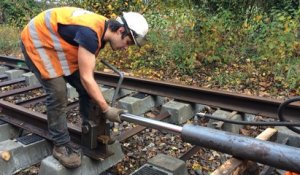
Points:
[(121, 74), (225, 100), (19, 91), (269, 153), (267, 170), (41, 99), (129, 133), (32, 101), (32, 121), (151, 123), (13, 62), (192, 151), (72, 105), (11, 82)]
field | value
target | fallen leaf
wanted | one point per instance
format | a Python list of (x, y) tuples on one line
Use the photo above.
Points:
[(196, 166)]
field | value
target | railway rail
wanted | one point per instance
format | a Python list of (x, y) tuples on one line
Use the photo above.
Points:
[(35, 122)]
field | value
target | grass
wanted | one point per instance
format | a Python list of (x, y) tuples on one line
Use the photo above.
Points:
[(9, 40)]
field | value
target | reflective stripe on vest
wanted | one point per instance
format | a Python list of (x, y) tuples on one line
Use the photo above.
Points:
[(37, 44), (57, 46)]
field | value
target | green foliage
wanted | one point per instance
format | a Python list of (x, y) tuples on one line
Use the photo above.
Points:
[(233, 43), (244, 9), (9, 40), (108, 8), (19, 12), (190, 37)]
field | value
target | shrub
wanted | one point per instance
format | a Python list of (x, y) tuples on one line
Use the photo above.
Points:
[(19, 12), (9, 40)]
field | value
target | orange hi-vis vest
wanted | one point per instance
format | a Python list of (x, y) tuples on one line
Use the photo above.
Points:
[(52, 55)]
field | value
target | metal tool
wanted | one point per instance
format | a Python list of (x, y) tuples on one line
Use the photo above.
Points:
[(121, 74), (265, 152), (95, 134), (96, 130)]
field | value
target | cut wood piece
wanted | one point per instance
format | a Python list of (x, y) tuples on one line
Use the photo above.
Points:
[(235, 166), (5, 155)]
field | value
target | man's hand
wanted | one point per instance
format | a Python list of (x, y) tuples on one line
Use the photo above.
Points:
[(113, 114)]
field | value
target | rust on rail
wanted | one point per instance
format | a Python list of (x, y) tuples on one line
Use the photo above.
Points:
[(221, 99), (225, 100)]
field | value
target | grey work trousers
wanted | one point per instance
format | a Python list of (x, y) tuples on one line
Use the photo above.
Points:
[(56, 101)]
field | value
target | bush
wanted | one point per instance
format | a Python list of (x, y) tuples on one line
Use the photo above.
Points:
[(19, 12), (9, 40), (208, 40)]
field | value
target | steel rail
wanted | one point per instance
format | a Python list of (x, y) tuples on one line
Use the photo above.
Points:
[(13, 62), (271, 153), (36, 122), (32, 101), (192, 151), (230, 101), (42, 99), (10, 60), (19, 91), (11, 82), (32, 121)]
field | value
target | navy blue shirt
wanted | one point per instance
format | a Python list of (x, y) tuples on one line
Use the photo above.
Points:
[(80, 35)]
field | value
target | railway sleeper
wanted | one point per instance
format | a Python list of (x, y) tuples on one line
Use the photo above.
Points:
[(23, 152), (3, 69)]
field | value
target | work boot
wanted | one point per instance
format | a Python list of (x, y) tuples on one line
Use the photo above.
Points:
[(67, 155)]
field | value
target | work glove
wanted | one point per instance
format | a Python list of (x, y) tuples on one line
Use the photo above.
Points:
[(113, 114)]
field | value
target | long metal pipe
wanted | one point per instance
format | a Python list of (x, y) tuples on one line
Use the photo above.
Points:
[(265, 152), (151, 123)]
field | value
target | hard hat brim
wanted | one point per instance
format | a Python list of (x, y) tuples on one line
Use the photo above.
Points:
[(138, 40)]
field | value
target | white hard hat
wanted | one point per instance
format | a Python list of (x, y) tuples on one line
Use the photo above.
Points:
[(137, 25)]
